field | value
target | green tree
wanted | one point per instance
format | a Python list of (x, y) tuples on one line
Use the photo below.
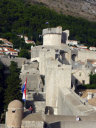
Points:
[(13, 90), (24, 53), (92, 78), (92, 84), (1, 42), (17, 17), (2, 87)]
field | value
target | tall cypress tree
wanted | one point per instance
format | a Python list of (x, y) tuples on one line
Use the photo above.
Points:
[(1, 88), (13, 82)]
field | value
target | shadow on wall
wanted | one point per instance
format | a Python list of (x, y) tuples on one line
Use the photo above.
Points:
[(73, 57), (38, 97), (43, 79), (62, 57), (53, 125), (49, 110), (64, 37), (29, 103), (27, 106), (75, 83)]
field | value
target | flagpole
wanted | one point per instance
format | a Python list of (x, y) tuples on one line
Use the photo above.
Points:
[(25, 104), (48, 25), (25, 93)]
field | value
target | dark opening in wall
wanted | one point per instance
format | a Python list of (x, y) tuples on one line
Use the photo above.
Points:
[(13, 111), (83, 82)]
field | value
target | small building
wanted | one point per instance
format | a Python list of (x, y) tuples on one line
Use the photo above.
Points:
[(26, 39), (6, 43), (92, 48), (80, 74), (72, 42), (29, 42), (10, 51), (82, 47)]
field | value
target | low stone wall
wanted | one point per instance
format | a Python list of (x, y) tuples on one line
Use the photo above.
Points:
[(6, 61), (74, 124), (2, 125), (32, 124), (40, 106)]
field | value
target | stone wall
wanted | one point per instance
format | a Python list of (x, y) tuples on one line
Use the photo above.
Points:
[(31, 72), (35, 53), (63, 108), (40, 96), (30, 65), (73, 124), (7, 61), (40, 106), (57, 76), (69, 103), (81, 76), (84, 55), (52, 39), (34, 81), (44, 55), (52, 30), (32, 124)]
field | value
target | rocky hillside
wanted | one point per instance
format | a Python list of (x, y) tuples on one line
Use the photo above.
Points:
[(81, 8)]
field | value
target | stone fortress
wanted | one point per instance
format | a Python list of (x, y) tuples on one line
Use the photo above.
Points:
[(53, 74)]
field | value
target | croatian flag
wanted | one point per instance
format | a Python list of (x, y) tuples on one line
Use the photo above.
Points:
[(24, 90)]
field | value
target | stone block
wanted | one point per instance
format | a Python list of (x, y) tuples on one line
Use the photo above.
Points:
[(32, 124)]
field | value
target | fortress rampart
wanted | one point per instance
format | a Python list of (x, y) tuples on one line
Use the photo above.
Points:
[(7, 61)]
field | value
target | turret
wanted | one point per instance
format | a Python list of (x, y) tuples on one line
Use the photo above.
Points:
[(14, 114), (52, 36)]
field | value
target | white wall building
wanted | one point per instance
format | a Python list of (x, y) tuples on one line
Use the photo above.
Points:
[(72, 42), (92, 48)]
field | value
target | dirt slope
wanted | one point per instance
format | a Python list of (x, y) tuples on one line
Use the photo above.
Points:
[(79, 8)]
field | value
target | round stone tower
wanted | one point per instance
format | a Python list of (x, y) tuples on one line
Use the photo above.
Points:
[(14, 114), (52, 36)]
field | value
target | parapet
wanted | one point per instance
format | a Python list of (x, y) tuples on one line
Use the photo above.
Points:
[(14, 114), (15, 104), (57, 30)]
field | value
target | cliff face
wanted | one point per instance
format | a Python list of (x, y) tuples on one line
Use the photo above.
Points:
[(79, 8)]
